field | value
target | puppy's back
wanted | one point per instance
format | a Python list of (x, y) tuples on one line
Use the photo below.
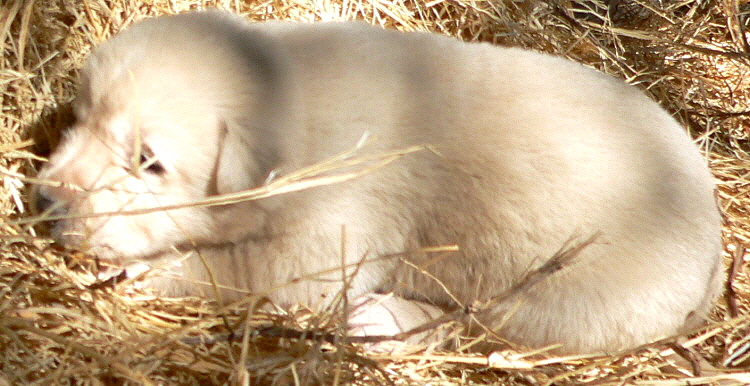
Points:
[(531, 150)]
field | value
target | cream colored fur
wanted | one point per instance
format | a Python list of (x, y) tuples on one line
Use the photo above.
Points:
[(526, 151)]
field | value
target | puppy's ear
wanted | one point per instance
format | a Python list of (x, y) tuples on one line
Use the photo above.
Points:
[(237, 167)]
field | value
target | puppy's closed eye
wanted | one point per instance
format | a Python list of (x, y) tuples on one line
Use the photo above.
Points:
[(149, 162)]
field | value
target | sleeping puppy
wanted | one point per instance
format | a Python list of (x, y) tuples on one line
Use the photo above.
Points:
[(522, 153)]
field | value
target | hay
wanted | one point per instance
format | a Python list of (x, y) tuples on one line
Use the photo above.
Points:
[(59, 325)]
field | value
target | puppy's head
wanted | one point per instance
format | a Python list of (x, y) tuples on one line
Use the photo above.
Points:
[(171, 111)]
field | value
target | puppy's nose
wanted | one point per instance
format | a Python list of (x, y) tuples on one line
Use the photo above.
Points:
[(43, 202)]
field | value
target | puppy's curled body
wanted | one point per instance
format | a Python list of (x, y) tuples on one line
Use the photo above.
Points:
[(524, 151)]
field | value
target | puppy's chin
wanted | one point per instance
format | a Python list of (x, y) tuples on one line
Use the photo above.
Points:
[(125, 239), (152, 237), (117, 255)]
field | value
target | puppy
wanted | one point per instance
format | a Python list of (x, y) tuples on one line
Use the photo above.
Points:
[(522, 153)]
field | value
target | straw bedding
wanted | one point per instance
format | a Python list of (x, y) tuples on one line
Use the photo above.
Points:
[(60, 324)]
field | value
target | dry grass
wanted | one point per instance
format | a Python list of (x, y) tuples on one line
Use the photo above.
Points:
[(56, 327)]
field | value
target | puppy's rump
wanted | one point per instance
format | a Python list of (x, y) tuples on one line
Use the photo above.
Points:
[(524, 152)]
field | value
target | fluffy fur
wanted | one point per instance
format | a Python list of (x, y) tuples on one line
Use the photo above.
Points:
[(525, 151)]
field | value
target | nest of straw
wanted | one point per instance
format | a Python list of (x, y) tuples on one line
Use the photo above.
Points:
[(59, 324)]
